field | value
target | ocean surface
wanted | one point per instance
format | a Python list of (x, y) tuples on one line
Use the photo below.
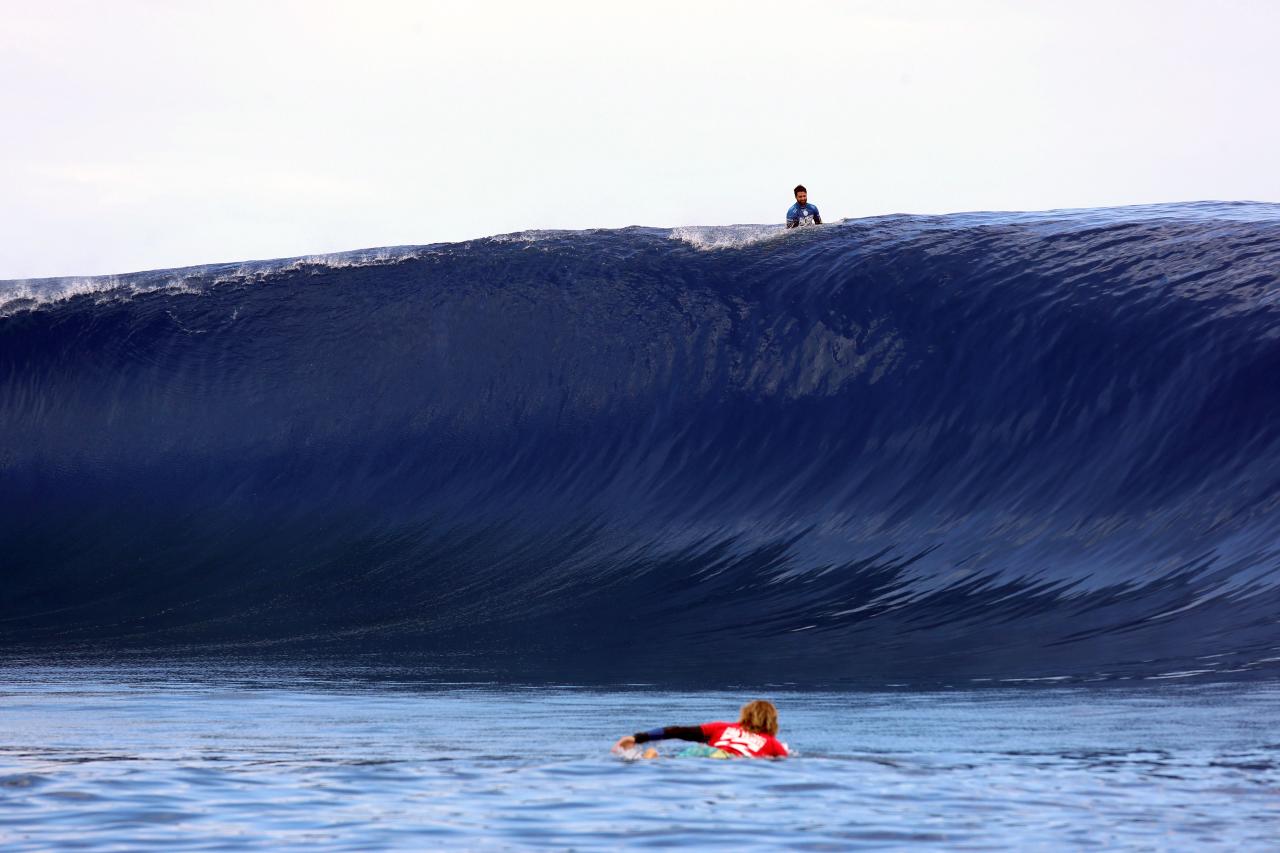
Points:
[(989, 502), (227, 756)]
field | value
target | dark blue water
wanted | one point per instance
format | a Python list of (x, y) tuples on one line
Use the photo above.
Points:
[(384, 549), (184, 757), (903, 449)]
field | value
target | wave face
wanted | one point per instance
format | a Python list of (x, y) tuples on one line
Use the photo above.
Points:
[(902, 449)]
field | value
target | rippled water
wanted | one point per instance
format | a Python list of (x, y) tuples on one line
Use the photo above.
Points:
[(235, 757)]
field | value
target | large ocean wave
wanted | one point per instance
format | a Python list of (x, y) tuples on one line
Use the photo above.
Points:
[(1005, 446)]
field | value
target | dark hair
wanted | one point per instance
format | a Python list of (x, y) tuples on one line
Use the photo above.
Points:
[(799, 189)]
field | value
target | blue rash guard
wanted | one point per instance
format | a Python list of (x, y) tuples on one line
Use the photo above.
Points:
[(803, 215)]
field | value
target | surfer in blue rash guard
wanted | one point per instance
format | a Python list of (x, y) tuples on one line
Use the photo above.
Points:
[(802, 213)]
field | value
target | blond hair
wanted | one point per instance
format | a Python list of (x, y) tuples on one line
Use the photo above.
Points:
[(759, 716)]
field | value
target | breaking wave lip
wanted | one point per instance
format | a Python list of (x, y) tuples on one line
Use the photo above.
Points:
[(1006, 446), (31, 293), (28, 294), (727, 236)]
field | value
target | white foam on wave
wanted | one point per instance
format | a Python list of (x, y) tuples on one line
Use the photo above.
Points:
[(357, 258), (711, 237), (29, 294), (530, 236), (26, 295)]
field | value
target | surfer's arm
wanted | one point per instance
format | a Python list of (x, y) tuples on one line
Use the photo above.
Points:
[(817, 220), (792, 223), (693, 733)]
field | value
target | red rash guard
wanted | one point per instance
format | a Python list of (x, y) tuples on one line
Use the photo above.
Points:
[(731, 737)]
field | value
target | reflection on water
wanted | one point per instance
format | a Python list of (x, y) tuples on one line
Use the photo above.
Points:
[(186, 758)]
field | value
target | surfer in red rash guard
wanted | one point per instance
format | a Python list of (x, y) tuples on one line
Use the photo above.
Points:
[(753, 736)]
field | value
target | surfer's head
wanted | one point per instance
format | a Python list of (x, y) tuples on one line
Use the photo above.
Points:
[(802, 194), (759, 715)]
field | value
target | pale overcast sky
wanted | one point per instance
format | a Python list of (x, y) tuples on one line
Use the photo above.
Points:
[(141, 135)]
